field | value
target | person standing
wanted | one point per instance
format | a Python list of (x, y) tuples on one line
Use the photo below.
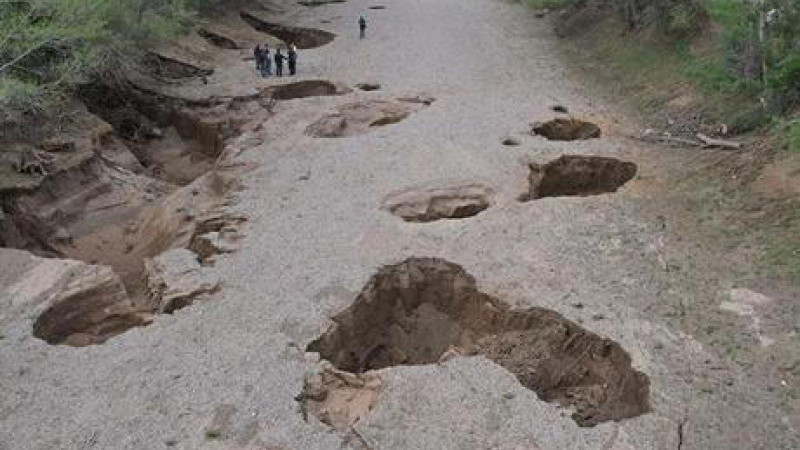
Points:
[(258, 55), (279, 62), (267, 67), (292, 58), (362, 26)]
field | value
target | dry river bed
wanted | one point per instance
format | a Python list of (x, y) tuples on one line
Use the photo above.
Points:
[(389, 254)]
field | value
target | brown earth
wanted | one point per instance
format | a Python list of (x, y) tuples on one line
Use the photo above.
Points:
[(415, 311), (562, 129), (359, 118), (572, 175), (428, 205)]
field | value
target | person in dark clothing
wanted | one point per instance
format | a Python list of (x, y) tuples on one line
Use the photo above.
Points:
[(279, 62), (292, 57), (259, 57), (362, 26)]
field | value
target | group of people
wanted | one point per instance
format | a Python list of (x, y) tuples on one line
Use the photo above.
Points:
[(264, 62)]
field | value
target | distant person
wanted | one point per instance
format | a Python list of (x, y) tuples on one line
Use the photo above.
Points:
[(292, 58), (266, 69), (258, 55), (362, 26), (279, 62)]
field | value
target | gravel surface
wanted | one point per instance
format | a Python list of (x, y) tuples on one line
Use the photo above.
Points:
[(223, 373)]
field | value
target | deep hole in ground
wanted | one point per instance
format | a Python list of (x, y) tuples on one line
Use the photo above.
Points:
[(577, 175), (145, 184), (428, 205), (303, 89), (377, 7), (414, 312), (566, 129), (303, 38), (169, 138)]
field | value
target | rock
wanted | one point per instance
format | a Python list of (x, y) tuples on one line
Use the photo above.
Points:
[(175, 278), (91, 307), (332, 125), (215, 242), (337, 398), (119, 153)]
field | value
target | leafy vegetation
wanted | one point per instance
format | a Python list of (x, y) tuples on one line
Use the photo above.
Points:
[(49, 46), (743, 55)]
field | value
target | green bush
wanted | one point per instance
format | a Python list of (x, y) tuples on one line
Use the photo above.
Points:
[(787, 74), (793, 136), (684, 20), (49, 46)]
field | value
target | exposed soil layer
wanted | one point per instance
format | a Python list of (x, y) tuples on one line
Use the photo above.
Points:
[(358, 118), (575, 175), (442, 203), (164, 67), (93, 307), (121, 207), (303, 38), (304, 89), (174, 142), (424, 309), (567, 129), (218, 39)]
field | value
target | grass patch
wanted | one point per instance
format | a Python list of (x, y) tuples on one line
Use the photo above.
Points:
[(782, 251), (787, 132), (793, 136), (213, 435)]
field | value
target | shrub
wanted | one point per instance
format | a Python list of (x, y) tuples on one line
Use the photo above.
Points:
[(786, 75), (793, 136), (49, 46)]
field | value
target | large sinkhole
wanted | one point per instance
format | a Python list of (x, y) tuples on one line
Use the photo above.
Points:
[(567, 129), (413, 312), (576, 175), (303, 38)]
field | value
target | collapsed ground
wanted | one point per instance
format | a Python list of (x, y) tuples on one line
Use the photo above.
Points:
[(735, 209), (292, 206)]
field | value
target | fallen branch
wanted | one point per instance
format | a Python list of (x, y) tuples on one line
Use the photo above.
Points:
[(660, 138), (711, 142), (703, 141)]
